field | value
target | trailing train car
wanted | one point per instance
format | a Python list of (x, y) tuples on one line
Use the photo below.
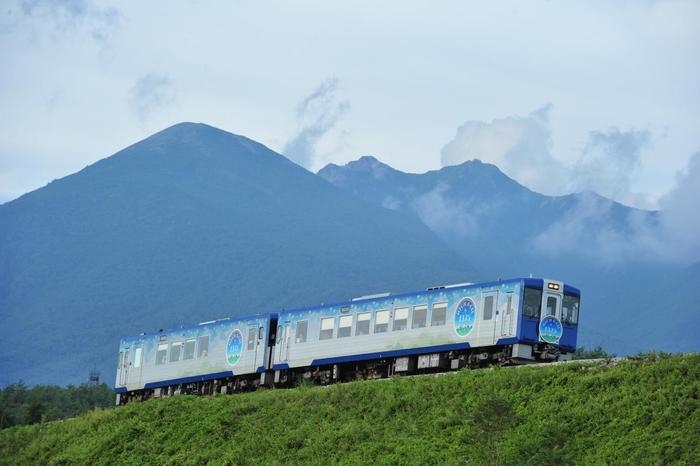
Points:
[(217, 356), (522, 320), (447, 327)]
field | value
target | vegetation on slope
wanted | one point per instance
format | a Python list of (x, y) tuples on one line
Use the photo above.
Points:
[(643, 411), (22, 405)]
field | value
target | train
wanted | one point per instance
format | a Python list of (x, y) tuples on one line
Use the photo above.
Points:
[(442, 328)]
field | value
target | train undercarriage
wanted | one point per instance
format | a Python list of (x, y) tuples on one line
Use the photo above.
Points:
[(359, 370)]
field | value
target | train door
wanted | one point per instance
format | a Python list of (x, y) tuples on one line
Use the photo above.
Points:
[(258, 332), (284, 338), (136, 363), (489, 317), (551, 305), (507, 316), (125, 368), (252, 343)]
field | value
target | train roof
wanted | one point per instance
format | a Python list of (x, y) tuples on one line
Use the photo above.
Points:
[(535, 282)]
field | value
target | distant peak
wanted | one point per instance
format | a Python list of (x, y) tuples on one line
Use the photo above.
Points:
[(365, 164)]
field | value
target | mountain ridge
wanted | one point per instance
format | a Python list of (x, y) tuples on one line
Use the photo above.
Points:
[(190, 224)]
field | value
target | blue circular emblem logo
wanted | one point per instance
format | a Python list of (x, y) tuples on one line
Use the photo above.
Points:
[(465, 316), (551, 329), (234, 347)]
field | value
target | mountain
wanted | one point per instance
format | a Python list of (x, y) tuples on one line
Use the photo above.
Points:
[(190, 224), (505, 230)]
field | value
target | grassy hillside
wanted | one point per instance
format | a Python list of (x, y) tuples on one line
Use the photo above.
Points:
[(637, 412)]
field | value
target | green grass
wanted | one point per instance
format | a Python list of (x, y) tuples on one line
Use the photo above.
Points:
[(637, 412)]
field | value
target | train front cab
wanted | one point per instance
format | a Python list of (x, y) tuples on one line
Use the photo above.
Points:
[(548, 323)]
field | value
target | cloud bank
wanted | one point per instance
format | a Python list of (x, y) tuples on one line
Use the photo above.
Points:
[(522, 148), (317, 113)]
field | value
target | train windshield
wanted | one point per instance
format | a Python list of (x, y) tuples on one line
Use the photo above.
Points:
[(532, 301), (569, 309)]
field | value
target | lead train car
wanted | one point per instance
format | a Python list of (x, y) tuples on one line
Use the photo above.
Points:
[(450, 327), (216, 356), (519, 321)]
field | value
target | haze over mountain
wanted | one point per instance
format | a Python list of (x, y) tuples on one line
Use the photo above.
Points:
[(632, 301), (190, 224)]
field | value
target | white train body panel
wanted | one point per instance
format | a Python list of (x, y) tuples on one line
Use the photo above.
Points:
[(192, 354), (468, 328)]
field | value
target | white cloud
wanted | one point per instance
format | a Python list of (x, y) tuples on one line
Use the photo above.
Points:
[(609, 160), (151, 92), (318, 113), (592, 229), (520, 146), (444, 215), (69, 16), (680, 217)]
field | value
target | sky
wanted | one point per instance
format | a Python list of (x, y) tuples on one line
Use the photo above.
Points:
[(563, 96)]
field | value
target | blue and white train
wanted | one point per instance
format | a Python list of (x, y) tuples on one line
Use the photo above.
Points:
[(521, 320)]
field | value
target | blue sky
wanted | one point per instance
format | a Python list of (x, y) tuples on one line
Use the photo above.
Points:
[(563, 96)]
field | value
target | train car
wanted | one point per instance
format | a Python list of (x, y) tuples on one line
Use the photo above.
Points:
[(217, 356), (446, 327)]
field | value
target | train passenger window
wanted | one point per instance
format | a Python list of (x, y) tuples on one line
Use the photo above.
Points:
[(162, 353), (344, 326), (569, 309), (362, 327), (203, 346), (251, 337), (488, 307), (551, 308), (327, 326), (261, 333), (175, 351), (509, 306), (439, 314), (401, 318), (532, 301), (381, 322), (137, 357), (121, 360), (189, 349), (302, 328), (420, 316)]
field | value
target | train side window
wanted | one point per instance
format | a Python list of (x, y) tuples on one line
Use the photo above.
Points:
[(420, 316), (121, 360), (261, 333), (175, 351), (381, 322), (509, 306), (302, 329), (532, 301), (189, 349), (439, 314), (344, 326), (401, 318), (362, 327), (327, 325), (162, 354), (569, 309), (251, 337), (137, 357), (488, 307), (203, 346)]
